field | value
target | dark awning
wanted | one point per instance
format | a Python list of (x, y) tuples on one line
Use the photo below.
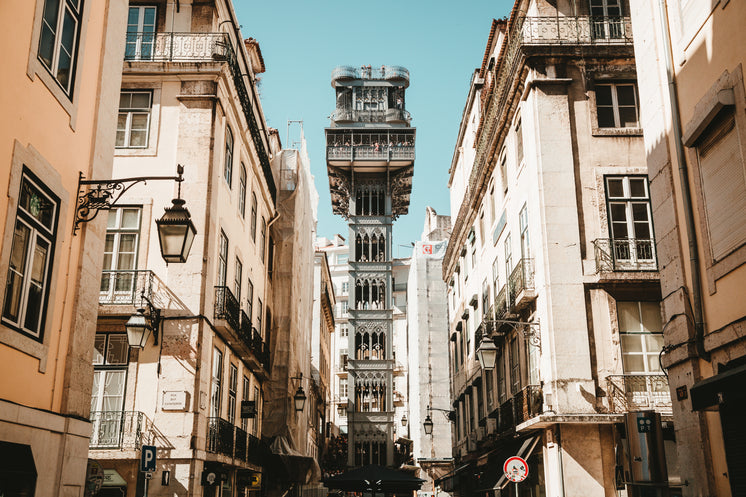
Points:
[(705, 393), (376, 478)]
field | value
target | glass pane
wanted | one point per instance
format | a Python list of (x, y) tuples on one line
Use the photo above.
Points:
[(637, 188), (68, 32), (140, 100), (46, 45), (618, 212), (113, 391), (118, 351), (615, 187), (139, 121), (654, 365), (133, 17), (149, 18), (651, 317), (632, 343), (633, 364), (629, 316), (36, 288), (36, 204), (130, 218), (124, 100), (138, 139), (126, 261), (654, 342), (127, 243), (96, 388), (606, 117), (625, 95), (603, 95), (627, 117), (99, 344)]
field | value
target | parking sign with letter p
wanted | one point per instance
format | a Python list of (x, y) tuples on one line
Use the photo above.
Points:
[(147, 458)]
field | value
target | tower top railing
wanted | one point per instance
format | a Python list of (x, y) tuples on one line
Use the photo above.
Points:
[(390, 73)]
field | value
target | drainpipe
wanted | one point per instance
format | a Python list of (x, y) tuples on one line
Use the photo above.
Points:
[(686, 199)]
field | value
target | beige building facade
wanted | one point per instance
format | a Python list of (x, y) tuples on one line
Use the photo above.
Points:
[(552, 257), (195, 390), (60, 82), (690, 74)]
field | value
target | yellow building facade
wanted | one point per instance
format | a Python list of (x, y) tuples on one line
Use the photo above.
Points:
[(690, 57), (60, 80)]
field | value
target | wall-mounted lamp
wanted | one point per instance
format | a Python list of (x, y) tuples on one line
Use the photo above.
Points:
[(487, 353), (300, 396), (140, 325), (176, 230), (428, 424), (404, 420)]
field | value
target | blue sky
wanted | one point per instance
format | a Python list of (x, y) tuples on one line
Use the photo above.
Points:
[(440, 42)]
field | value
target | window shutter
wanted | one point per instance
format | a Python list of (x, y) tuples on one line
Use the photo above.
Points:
[(723, 187)]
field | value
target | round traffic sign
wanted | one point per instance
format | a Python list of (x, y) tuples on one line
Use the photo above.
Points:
[(515, 469)]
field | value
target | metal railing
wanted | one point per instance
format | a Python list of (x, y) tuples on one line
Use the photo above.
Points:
[(574, 30), (628, 254), (506, 420), (220, 436), (521, 278), (124, 287), (226, 307), (633, 392), (242, 443), (528, 403), (119, 430), (501, 304), (176, 47), (367, 152), (372, 116), (384, 72)]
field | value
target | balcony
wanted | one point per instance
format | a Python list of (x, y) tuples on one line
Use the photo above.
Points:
[(370, 153), (396, 73), (521, 283), (125, 287), (253, 340), (501, 310), (528, 403), (399, 116), (241, 444), (576, 30), (627, 254), (120, 430), (258, 453), (505, 420), (220, 436), (630, 392), (227, 308), (176, 47)]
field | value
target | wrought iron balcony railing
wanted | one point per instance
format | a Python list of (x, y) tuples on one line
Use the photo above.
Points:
[(120, 430), (501, 304), (367, 152), (634, 392), (371, 116), (506, 420), (226, 307), (528, 403), (176, 47), (521, 279), (125, 287), (576, 30), (628, 254), (242, 443), (384, 72), (220, 436)]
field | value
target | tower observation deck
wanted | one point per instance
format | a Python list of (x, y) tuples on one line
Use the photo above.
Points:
[(370, 162)]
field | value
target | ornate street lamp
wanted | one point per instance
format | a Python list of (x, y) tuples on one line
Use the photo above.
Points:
[(487, 353), (300, 399), (428, 424), (404, 420), (176, 230), (140, 325)]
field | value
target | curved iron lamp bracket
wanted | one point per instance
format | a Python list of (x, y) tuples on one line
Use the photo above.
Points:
[(529, 330), (95, 195)]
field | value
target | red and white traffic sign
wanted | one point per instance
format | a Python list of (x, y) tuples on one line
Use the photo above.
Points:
[(515, 469)]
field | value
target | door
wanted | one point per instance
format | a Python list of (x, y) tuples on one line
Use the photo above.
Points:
[(606, 19), (140, 33), (111, 353), (119, 277), (630, 223)]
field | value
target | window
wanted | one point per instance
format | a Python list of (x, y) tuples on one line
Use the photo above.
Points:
[(222, 259), (228, 167), (508, 255), (606, 19), (489, 389), (481, 228), (253, 217), (504, 172), (232, 392), (255, 421), (344, 331), (110, 358), (485, 297), (237, 280), (525, 245), (58, 41), (345, 307), (244, 397), (721, 169), (495, 276), (616, 105), (263, 239), (119, 276), (216, 383), (343, 359), (500, 373), (515, 366), (242, 191), (250, 300), (259, 311), (31, 257), (342, 259), (345, 287), (133, 124), (518, 142), (140, 39), (491, 200), (630, 220), (343, 388), (641, 336)]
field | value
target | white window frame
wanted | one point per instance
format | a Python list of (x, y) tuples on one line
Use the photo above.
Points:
[(129, 113), (142, 37), (229, 148), (615, 104), (222, 259), (631, 249), (71, 10), (242, 191)]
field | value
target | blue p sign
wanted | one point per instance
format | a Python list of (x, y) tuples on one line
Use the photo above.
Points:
[(147, 458)]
